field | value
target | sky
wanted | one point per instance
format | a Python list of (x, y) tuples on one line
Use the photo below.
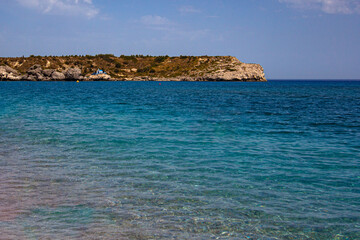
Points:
[(291, 39)]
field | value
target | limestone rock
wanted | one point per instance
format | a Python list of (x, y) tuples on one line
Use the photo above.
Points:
[(34, 73), (143, 78), (231, 69), (72, 73), (8, 69), (34, 70), (8, 73), (57, 76), (48, 72), (29, 77), (99, 77)]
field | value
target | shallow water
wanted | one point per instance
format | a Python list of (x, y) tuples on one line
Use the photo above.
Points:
[(180, 160)]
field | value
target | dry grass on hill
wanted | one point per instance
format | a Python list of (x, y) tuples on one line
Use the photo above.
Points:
[(119, 67)]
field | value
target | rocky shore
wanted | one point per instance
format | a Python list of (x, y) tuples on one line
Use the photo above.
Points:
[(36, 73), (200, 69)]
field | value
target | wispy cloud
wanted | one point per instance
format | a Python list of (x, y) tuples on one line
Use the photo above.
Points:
[(327, 6), (62, 7), (188, 9), (154, 20)]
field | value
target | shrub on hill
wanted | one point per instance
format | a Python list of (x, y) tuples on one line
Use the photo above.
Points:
[(161, 59)]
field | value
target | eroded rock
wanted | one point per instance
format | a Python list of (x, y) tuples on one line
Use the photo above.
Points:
[(72, 73), (58, 76), (8, 73), (234, 70), (48, 72), (34, 73), (99, 77)]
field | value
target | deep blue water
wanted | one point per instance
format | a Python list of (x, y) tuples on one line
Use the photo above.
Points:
[(180, 160)]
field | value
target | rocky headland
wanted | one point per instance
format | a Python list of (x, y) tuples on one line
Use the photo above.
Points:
[(129, 68)]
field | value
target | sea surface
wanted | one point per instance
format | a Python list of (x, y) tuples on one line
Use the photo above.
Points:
[(180, 160)]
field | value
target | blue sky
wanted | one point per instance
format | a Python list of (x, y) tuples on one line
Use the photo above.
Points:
[(291, 39)]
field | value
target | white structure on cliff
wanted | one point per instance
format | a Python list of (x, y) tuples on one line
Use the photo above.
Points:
[(99, 71)]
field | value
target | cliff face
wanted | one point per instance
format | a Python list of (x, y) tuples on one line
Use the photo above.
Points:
[(231, 69), (129, 68)]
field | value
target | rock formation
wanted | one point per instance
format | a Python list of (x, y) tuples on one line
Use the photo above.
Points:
[(73, 74), (57, 76), (48, 72), (235, 70), (36, 73), (130, 68), (99, 77), (7, 73)]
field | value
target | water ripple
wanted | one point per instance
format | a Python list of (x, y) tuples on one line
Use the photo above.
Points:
[(126, 160)]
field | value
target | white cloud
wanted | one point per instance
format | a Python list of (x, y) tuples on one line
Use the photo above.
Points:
[(188, 9), (62, 7), (154, 20), (327, 6)]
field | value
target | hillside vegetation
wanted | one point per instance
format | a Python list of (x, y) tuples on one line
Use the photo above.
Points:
[(139, 66)]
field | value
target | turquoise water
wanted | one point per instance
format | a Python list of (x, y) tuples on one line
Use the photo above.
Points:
[(180, 160)]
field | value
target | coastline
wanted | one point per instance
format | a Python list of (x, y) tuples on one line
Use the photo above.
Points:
[(180, 79), (129, 68)]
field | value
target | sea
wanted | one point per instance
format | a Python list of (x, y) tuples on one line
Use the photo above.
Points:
[(180, 160)]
